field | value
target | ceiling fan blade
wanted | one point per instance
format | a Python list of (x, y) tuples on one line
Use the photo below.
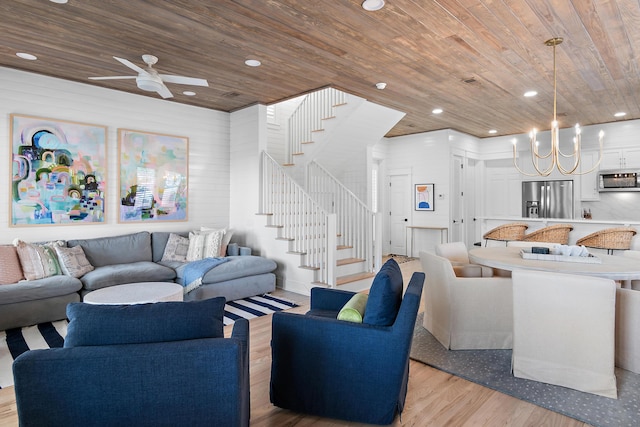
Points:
[(131, 65), (112, 78), (165, 92), (184, 80)]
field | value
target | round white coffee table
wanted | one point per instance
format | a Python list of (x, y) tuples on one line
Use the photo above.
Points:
[(136, 293)]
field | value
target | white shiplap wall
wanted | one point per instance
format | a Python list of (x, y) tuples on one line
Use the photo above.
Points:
[(207, 130), (427, 155)]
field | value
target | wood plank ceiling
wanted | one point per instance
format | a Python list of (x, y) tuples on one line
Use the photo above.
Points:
[(472, 58)]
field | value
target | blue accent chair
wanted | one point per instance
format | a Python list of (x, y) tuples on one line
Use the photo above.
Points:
[(163, 364), (350, 371)]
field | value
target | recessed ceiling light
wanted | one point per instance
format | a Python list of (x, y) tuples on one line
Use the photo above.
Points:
[(59, 1), (437, 111), (189, 93), (530, 93), (28, 56), (492, 131), (620, 114), (372, 5), (253, 62), (381, 85)]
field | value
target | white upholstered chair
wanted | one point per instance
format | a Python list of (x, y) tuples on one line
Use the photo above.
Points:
[(564, 330), (457, 254), (466, 312), (628, 329)]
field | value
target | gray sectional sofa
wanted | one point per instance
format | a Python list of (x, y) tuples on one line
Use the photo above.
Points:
[(125, 259)]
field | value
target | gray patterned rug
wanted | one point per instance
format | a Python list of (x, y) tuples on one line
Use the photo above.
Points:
[(492, 369)]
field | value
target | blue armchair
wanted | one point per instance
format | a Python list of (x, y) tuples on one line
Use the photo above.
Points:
[(351, 371), (163, 364)]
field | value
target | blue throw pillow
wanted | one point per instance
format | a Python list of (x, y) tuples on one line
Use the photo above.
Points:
[(144, 323), (385, 295)]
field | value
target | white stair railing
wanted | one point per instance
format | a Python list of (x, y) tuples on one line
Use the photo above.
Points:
[(310, 230), (307, 118), (354, 220)]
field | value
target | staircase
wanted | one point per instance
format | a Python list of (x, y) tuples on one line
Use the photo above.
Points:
[(322, 222)]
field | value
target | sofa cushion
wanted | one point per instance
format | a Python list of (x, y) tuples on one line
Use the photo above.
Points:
[(73, 261), (38, 261), (30, 290), (93, 325), (176, 248), (385, 295), (10, 269), (143, 271), (236, 267), (117, 249)]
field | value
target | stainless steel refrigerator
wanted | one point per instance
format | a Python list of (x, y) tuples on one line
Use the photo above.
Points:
[(547, 199)]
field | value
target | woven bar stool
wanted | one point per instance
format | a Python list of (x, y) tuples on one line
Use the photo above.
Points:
[(558, 233), (506, 232), (609, 239)]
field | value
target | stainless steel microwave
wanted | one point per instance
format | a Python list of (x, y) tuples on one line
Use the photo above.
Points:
[(619, 180)]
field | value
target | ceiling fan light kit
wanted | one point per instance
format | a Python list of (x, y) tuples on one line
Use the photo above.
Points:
[(150, 80)]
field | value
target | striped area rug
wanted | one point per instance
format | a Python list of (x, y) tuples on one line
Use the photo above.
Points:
[(14, 342)]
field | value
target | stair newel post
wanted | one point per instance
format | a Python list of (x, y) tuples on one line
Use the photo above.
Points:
[(377, 241), (330, 262)]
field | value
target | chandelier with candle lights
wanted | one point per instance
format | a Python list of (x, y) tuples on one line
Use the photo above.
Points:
[(555, 154)]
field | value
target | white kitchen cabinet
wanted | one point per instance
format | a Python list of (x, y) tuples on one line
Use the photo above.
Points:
[(624, 158), (589, 181)]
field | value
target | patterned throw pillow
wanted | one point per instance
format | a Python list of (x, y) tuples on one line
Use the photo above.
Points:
[(176, 249), (73, 261), (225, 239), (204, 244), (38, 261), (10, 269)]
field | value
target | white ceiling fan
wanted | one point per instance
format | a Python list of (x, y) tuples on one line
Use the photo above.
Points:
[(150, 80)]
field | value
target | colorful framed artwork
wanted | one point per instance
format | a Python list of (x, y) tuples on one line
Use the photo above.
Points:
[(58, 172), (153, 176), (424, 197)]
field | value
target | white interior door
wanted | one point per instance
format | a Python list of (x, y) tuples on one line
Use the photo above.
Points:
[(399, 211)]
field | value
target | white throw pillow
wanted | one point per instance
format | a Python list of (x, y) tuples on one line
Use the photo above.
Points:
[(206, 243), (176, 249), (225, 239)]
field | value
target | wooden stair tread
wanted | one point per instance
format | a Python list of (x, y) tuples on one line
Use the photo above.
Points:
[(340, 247), (353, 278), (346, 261)]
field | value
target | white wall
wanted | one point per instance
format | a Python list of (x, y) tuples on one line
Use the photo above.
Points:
[(427, 155), (207, 130)]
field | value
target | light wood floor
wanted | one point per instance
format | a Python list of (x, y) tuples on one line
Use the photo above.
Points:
[(434, 398)]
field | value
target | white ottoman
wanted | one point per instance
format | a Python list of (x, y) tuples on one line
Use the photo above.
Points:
[(136, 293)]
